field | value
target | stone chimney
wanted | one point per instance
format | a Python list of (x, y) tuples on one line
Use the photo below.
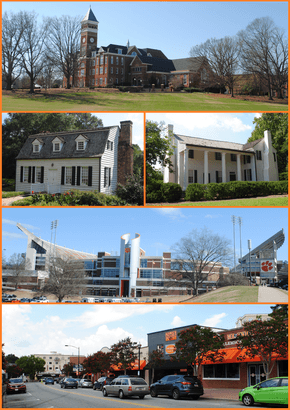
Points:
[(125, 152)]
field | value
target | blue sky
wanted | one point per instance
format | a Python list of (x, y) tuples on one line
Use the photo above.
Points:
[(29, 329), (110, 119), (99, 229), (173, 27), (230, 127)]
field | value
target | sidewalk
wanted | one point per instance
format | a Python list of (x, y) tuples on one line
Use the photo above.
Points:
[(221, 394)]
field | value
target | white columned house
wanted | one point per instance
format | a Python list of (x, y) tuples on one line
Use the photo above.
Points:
[(200, 160)]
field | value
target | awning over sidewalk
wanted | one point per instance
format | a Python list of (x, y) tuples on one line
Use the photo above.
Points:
[(232, 354), (135, 366)]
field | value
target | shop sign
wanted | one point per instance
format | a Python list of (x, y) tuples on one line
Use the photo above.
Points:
[(170, 336), (170, 349)]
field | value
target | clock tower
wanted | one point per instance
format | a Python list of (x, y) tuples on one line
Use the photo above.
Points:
[(89, 34)]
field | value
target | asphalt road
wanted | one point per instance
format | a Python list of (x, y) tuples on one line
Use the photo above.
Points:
[(52, 396)]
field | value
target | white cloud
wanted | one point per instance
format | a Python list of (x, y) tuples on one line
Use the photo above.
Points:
[(27, 226), (177, 322), (214, 320), (172, 213), (11, 235), (213, 216)]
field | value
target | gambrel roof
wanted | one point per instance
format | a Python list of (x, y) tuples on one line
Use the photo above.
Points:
[(95, 147)]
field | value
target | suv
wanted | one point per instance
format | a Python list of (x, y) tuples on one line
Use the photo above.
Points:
[(102, 381), (177, 386), (127, 386)]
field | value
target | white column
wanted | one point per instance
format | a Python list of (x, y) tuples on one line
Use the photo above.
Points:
[(224, 174), (253, 168), (205, 168), (185, 171), (239, 170)]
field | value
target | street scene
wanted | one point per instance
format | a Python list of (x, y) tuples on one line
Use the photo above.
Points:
[(168, 355)]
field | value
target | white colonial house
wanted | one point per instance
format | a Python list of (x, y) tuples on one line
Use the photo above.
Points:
[(85, 159), (199, 160)]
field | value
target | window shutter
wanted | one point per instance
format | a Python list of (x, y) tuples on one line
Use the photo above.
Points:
[(21, 174), (42, 175), (33, 175), (109, 176), (78, 175), (29, 174), (73, 175), (90, 176), (195, 176), (62, 175), (216, 176)]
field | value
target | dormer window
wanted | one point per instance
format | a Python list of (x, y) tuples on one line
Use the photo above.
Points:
[(134, 53), (36, 148), (119, 51), (57, 144), (36, 144), (80, 145)]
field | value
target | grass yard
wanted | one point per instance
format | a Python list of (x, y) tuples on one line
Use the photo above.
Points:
[(228, 294), (102, 101), (260, 201)]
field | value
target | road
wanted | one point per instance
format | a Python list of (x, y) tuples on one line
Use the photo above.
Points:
[(268, 294), (52, 396)]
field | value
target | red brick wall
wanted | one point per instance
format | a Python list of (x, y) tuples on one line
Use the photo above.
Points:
[(125, 152)]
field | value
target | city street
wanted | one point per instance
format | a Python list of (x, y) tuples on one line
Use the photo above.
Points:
[(46, 396)]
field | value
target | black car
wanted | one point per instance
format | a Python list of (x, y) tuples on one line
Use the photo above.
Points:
[(69, 382), (101, 382), (177, 386)]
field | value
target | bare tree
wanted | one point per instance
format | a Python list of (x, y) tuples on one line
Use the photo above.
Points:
[(233, 279), (13, 26), (66, 276), (264, 52), (198, 255), (33, 59), (63, 44), (16, 265), (222, 56)]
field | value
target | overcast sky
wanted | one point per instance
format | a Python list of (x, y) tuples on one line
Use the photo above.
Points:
[(30, 329), (173, 27), (95, 230)]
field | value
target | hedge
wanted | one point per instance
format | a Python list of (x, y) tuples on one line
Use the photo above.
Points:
[(158, 191), (234, 189)]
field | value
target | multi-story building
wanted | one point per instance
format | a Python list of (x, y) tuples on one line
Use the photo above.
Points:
[(199, 160), (54, 362), (132, 273)]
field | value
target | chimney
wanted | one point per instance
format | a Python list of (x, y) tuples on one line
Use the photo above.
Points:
[(125, 152)]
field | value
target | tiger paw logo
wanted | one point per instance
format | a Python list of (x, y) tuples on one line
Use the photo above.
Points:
[(267, 266)]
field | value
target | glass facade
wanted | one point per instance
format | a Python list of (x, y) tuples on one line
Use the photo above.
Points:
[(221, 371)]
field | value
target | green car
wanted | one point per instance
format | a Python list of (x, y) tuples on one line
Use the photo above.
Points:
[(269, 391)]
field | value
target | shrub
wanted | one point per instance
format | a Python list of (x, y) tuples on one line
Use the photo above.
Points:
[(154, 191), (23, 202), (172, 192), (195, 192), (283, 176), (132, 191)]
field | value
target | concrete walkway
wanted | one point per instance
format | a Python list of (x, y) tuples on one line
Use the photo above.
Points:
[(272, 295)]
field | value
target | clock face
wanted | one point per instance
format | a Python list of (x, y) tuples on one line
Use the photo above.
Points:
[(84, 39), (92, 39)]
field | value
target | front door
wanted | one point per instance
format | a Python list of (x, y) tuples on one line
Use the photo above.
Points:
[(52, 180), (255, 374)]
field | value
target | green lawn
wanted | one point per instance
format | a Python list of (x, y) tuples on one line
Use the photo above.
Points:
[(262, 201), (229, 294), (98, 101)]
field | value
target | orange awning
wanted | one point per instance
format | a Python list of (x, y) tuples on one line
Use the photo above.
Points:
[(135, 366), (233, 353)]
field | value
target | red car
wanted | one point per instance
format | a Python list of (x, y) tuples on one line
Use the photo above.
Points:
[(16, 386)]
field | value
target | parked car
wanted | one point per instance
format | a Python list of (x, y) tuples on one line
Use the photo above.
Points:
[(102, 381), (69, 382), (177, 386), (127, 386), (85, 383), (49, 380), (273, 390), (16, 386)]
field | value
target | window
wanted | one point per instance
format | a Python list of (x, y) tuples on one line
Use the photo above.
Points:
[(221, 371), (68, 175), (119, 51), (175, 265), (117, 60), (112, 70), (38, 174), (190, 176), (80, 145), (96, 81), (259, 155), (101, 60), (93, 63), (112, 60), (106, 59), (82, 72), (93, 71), (247, 159), (184, 79), (36, 148), (191, 153), (105, 70), (232, 176), (101, 70), (97, 60), (134, 53), (101, 81), (107, 176), (247, 174), (93, 82), (234, 157), (117, 70), (25, 174), (122, 71), (218, 156), (122, 60), (105, 80), (85, 176), (116, 80)]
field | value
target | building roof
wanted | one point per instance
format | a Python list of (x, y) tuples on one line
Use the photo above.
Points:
[(188, 64), (61, 251), (90, 16), (268, 244), (205, 143), (95, 147), (157, 64)]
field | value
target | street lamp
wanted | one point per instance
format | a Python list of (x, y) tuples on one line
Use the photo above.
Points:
[(78, 355), (139, 348)]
